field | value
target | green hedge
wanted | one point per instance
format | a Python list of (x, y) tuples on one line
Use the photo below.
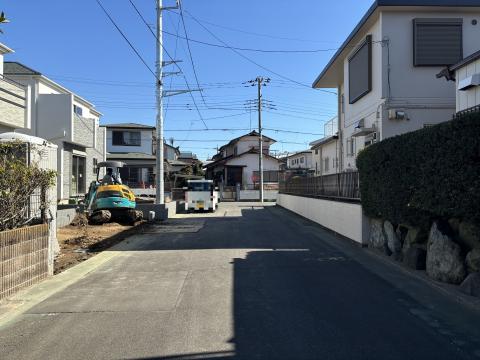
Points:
[(426, 174)]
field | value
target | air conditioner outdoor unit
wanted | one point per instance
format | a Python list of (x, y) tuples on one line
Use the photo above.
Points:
[(394, 114)]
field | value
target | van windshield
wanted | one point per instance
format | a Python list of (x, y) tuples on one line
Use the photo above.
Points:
[(199, 186)]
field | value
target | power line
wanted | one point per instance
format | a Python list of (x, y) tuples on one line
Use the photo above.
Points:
[(126, 39), (247, 129), (263, 35), (252, 61), (190, 52), (172, 59), (311, 51)]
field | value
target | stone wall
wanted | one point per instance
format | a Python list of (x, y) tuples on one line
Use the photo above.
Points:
[(448, 251)]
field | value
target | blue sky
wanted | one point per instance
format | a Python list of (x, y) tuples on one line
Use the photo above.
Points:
[(74, 43)]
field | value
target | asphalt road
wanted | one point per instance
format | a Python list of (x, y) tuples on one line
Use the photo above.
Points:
[(244, 283)]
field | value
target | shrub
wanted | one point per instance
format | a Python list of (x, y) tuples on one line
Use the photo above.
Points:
[(426, 174), (18, 183)]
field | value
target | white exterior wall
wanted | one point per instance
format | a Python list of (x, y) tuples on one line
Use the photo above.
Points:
[(250, 161), (246, 144), (470, 97), (146, 141), (400, 85), (306, 164), (344, 218), (327, 152), (366, 107)]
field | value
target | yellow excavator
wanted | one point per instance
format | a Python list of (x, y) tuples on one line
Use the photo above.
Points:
[(108, 199)]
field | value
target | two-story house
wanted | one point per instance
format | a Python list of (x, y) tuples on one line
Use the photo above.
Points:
[(14, 109), (238, 162), (325, 151), (301, 160), (135, 145), (385, 71), (67, 120)]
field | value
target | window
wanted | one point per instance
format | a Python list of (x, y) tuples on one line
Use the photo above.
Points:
[(126, 138), (326, 164), (360, 71), (235, 151), (302, 159), (437, 42), (95, 163), (77, 110), (316, 152)]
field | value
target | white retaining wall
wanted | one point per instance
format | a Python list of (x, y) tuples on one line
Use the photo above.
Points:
[(347, 219)]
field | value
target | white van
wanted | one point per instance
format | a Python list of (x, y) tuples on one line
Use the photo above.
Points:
[(200, 195)]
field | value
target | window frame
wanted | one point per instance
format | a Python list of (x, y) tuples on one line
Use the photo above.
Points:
[(123, 142), (435, 21), (367, 42)]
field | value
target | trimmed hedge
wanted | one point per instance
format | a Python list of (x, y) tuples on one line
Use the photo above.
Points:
[(423, 175)]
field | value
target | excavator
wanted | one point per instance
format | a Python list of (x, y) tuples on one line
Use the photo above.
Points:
[(108, 199)]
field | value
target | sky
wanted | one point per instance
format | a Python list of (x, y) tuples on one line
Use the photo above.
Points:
[(75, 44)]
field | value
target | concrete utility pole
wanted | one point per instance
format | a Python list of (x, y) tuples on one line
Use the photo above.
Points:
[(259, 81), (159, 177)]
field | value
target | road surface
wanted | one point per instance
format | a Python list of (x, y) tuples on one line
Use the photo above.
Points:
[(247, 282)]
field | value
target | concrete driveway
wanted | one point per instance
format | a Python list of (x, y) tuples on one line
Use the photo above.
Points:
[(247, 282)]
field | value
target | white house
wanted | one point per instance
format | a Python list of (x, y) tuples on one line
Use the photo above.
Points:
[(300, 160), (238, 162), (325, 151), (67, 120), (134, 144), (466, 74), (14, 110), (385, 70)]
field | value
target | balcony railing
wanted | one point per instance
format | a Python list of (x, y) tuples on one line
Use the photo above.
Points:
[(13, 103), (343, 186)]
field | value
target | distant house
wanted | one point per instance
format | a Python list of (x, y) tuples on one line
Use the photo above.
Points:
[(134, 144), (238, 162), (188, 157), (385, 70), (14, 110), (300, 160), (325, 151), (67, 120), (466, 74)]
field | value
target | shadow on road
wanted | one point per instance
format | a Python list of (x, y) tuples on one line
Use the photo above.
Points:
[(294, 298)]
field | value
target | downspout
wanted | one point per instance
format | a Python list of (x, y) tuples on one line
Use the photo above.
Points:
[(340, 132)]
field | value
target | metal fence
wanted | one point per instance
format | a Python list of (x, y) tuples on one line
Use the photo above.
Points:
[(338, 186), (466, 112), (23, 258)]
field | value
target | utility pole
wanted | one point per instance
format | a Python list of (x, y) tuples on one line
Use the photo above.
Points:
[(259, 81), (159, 177)]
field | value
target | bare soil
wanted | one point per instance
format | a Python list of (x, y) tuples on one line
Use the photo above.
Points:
[(80, 241)]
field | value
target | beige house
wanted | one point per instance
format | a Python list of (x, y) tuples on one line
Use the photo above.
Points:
[(14, 110), (385, 71)]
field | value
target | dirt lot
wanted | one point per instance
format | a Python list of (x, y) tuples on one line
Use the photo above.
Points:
[(79, 242)]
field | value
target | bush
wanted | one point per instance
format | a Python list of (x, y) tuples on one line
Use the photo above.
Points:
[(18, 183), (427, 174)]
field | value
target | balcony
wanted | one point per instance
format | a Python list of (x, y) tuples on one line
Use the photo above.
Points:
[(13, 104)]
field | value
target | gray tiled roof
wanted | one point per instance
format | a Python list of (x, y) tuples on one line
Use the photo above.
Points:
[(129, 126), (16, 68)]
